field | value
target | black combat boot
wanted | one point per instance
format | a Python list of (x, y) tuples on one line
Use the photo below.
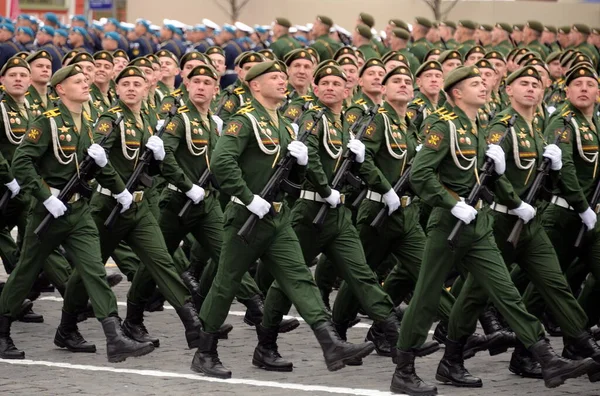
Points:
[(555, 369), (581, 347), (68, 335), (7, 346), (550, 325), (522, 363), (342, 330), (266, 353), (190, 280), (479, 342), (114, 279), (406, 380), (206, 359), (377, 337), (156, 303), (451, 369), (441, 333), (26, 315), (189, 317), (254, 313), (118, 346), (325, 297), (491, 324), (336, 351), (133, 325)]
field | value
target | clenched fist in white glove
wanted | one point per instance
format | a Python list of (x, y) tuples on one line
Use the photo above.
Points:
[(156, 145), (554, 154), (159, 124), (358, 148), (196, 194), (464, 212), (125, 199), (525, 212), (392, 201), (259, 206), (55, 206), (334, 198), (14, 187), (496, 153), (589, 218), (98, 155), (299, 151)]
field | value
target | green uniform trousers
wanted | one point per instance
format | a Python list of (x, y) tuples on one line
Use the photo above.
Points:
[(276, 244), (400, 235), (339, 241), (477, 254), (78, 234), (536, 257)]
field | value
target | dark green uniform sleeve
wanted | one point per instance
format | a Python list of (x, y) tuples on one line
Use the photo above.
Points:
[(315, 173), (6, 175), (369, 171), (107, 176), (170, 167), (503, 189)]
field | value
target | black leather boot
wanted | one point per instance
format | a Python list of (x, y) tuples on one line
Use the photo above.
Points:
[(491, 324), (206, 359), (451, 369), (377, 337), (479, 342), (68, 335), (27, 315), (190, 280), (555, 369), (7, 346), (156, 303), (583, 346), (406, 380), (189, 317), (522, 363), (118, 346), (550, 325), (86, 313), (254, 313), (266, 353), (114, 279), (441, 333), (325, 297), (336, 351), (133, 326)]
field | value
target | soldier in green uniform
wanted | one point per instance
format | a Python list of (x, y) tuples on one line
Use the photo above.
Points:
[(103, 96), (368, 21), (549, 39), (430, 80), (361, 39), (579, 42), (120, 60), (283, 43), (39, 98), (484, 36), (524, 146), (242, 162), (531, 38), (499, 63), (169, 69), (449, 60), (420, 45), (299, 97), (501, 38), (399, 43), (465, 35), (323, 44), (473, 55), (47, 158), (447, 29), (486, 113), (443, 172)]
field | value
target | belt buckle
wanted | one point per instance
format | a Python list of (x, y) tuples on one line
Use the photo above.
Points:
[(343, 198), (138, 196), (277, 206), (404, 200)]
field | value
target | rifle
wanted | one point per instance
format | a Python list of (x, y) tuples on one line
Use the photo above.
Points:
[(204, 179), (532, 194), (480, 189), (444, 43), (139, 174), (76, 181), (271, 189), (343, 174), (400, 188), (305, 107)]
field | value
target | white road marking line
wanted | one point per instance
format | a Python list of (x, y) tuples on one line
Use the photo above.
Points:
[(194, 377), (234, 313)]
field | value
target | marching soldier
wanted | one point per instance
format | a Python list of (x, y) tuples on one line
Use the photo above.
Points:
[(501, 38), (169, 68), (430, 79), (465, 35), (323, 44), (39, 98), (298, 96), (361, 40), (102, 95), (283, 43), (44, 39), (531, 38), (420, 44)]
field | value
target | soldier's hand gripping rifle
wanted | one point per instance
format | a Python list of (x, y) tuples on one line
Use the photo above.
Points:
[(401, 186), (139, 176), (271, 189), (593, 204), (536, 186), (480, 191), (206, 177), (77, 181), (343, 174)]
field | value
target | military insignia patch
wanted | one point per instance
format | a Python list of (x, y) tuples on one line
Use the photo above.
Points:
[(410, 114), (228, 105), (34, 135), (233, 128), (565, 135), (495, 137), (171, 127), (292, 112), (433, 140), (166, 107), (370, 129), (351, 118), (103, 127), (308, 125)]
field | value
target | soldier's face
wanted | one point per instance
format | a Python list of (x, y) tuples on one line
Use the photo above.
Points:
[(546, 82), (104, 71), (351, 75), (119, 64), (41, 71), (75, 88), (150, 75), (331, 90), (371, 80), (430, 82), (399, 89), (499, 66), (244, 69), (89, 69), (564, 40), (489, 78), (473, 58), (450, 65), (391, 65), (525, 91), (168, 67), (202, 89), (131, 90), (300, 72), (272, 86), (189, 65), (218, 62), (582, 92), (555, 69), (471, 92), (16, 81)]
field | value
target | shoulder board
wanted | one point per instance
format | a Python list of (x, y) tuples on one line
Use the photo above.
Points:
[(239, 91), (115, 109), (381, 110), (183, 109), (307, 98), (316, 108), (441, 111), (566, 113), (52, 113), (177, 92), (360, 101), (418, 101), (287, 92), (87, 117), (448, 116), (506, 118), (27, 93), (245, 110)]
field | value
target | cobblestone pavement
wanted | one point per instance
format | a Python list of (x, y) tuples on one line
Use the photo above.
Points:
[(51, 371)]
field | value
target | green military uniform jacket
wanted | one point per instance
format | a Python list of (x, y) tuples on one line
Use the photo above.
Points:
[(295, 104), (234, 97), (379, 46), (504, 47), (451, 44), (414, 62), (412, 112), (102, 103), (35, 102), (369, 51), (325, 47), (13, 125), (538, 47), (465, 47), (420, 48), (590, 51), (284, 45), (162, 91)]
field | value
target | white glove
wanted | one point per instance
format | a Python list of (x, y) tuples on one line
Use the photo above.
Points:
[(464, 212), (496, 153), (125, 199), (358, 148), (14, 187), (392, 201), (299, 151), (419, 147), (196, 194), (55, 206), (296, 128), (554, 154), (525, 211), (334, 198), (98, 155), (259, 206), (158, 149), (219, 123), (159, 124), (589, 218)]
